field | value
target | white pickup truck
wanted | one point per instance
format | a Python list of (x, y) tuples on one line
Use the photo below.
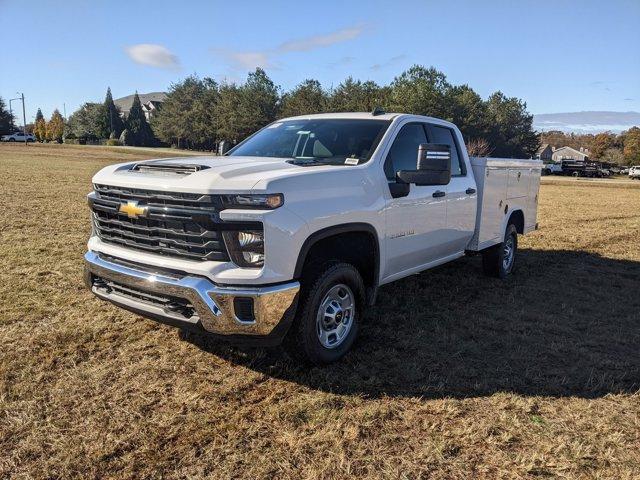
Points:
[(288, 237)]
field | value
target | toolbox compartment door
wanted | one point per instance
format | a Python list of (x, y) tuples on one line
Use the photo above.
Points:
[(518, 182)]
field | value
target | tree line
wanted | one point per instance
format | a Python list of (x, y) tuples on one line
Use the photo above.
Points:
[(198, 113), (622, 149)]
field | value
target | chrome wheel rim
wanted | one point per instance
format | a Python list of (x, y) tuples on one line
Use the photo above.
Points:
[(335, 316), (508, 253)]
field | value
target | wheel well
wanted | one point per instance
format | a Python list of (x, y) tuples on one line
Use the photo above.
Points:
[(517, 218), (359, 248)]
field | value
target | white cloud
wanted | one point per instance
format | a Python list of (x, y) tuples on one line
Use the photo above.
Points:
[(249, 60), (152, 55), (319, 41)]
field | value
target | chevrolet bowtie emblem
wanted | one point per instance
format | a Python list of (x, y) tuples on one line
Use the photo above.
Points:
[(132, 209)]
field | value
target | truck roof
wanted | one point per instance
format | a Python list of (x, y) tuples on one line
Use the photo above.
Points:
[(367, 116)]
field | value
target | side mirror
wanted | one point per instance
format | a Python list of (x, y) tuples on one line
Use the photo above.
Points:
[(432, 168)]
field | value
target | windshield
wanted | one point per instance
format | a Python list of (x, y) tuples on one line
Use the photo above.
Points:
[(322, 141)]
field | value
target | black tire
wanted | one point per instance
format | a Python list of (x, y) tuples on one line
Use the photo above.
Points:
[(12, 139), (576, 174), (493, 259), (302, 341)]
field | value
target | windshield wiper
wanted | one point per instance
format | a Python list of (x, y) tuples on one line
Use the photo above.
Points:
[(306, 161)]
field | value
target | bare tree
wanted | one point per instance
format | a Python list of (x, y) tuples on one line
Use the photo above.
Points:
[(478, 147)]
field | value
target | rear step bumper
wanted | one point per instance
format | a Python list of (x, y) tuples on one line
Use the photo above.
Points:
[(193, 302)]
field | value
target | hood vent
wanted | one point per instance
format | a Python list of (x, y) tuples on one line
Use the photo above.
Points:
[(176, 168)]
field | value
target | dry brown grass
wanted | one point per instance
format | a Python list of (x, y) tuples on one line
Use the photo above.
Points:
[(454, 376)]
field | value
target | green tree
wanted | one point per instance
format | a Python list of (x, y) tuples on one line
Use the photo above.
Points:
[(632, 146), (111, 122), (308, 97), (229, 115), (87, 121), (139, 129), (187, 117), (421, 91), (6, 119), (469, 112), (260, 97), (242, 110), (55, 127), (512, 133), (356, 96)]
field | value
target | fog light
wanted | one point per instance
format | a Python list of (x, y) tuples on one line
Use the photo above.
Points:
[(249, 238), (246, 248)]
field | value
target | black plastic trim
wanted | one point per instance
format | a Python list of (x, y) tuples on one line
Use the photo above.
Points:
[(336, 230)]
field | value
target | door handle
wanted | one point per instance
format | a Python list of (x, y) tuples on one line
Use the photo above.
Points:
[(470, 191), (439, 193)]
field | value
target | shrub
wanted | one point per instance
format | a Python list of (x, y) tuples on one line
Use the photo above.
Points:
[(113, 142), (126, 138)]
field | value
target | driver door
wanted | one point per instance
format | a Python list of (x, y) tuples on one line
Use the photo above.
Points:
[(416, 224)]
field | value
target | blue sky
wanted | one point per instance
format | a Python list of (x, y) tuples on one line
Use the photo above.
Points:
[(558, 55)]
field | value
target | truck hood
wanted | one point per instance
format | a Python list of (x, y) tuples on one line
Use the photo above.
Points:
[(211, 174)]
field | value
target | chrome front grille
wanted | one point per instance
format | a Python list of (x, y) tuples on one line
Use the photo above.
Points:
[(175, 224)]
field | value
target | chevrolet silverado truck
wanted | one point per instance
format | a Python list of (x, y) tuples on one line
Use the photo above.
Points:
[(287, 237)]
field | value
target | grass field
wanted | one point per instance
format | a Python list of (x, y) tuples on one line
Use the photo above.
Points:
[(455, 375)]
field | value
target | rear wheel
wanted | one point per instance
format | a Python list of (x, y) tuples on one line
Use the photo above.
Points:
[(500, 261), (327, 319)]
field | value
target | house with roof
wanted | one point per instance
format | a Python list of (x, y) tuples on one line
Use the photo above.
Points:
[(151, 103), (568, 153), (151, 108), (545, 153)]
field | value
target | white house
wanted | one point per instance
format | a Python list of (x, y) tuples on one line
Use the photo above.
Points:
[(568, 153)]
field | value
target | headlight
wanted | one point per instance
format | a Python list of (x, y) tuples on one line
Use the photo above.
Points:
[(246, 247), (250, 200)]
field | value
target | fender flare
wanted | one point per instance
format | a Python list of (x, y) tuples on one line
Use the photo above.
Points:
[(507, 217), (327, 232)]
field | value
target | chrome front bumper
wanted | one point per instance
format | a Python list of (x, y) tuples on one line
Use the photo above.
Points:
[(191, 301)]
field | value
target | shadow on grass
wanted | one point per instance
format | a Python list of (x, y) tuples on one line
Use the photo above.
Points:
[(565, 324)]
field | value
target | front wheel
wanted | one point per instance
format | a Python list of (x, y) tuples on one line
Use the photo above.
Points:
[(327, 319), (500, 260)]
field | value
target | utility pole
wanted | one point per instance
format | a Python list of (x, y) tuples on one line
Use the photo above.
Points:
[(64, 108), (24, 121)]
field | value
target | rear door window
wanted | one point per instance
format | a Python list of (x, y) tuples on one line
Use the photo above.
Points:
[(445, 135)]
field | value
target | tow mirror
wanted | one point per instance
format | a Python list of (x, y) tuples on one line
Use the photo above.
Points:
[(433, 166)]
